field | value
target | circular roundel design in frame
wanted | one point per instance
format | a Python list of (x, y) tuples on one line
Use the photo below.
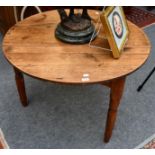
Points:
[(117, 24)]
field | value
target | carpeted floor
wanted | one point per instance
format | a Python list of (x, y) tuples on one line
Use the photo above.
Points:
[(149, 143), (3, 143), (139, 15), (61, 116)]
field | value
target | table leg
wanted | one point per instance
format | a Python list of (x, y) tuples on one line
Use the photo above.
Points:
[(116, 86), (21, 87)]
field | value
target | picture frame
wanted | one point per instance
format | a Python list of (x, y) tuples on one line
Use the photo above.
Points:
[(115, 28)]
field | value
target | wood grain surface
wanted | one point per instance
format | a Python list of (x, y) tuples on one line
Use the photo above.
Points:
[(32, 48)]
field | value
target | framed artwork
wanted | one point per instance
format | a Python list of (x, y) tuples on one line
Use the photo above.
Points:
[(115, 28)]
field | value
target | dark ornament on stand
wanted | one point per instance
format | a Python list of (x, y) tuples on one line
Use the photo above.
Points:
[(74, 28)]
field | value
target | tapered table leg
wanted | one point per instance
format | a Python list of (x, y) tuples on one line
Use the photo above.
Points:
[(115, 96), (21, 87)]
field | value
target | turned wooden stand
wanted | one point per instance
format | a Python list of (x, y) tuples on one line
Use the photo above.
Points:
[(31, 48)]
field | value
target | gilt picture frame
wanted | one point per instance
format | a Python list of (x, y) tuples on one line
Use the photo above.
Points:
[(115, 28)]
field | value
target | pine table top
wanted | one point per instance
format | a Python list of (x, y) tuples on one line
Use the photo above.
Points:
[(31, 47)]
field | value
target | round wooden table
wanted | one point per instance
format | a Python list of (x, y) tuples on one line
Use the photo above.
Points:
[(31, 48)]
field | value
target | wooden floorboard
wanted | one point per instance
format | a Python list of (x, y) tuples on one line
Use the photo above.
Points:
[(1, 146)]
